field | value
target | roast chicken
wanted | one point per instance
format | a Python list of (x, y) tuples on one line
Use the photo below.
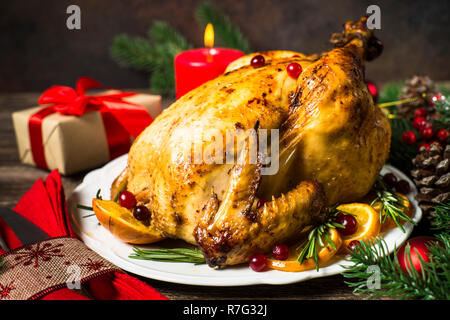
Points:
[(333, 142)]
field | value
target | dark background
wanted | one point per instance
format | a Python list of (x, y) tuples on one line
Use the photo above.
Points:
[(37, 50)]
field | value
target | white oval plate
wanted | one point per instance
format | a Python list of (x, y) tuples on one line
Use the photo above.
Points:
[(104, 243)]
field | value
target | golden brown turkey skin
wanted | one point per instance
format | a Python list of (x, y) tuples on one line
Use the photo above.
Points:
[(160, 172), (333, 142)]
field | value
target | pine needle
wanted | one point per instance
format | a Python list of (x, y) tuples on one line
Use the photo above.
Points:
[(433, 283), (228, 35), (441, 218)]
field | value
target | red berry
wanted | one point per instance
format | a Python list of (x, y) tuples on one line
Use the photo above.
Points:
[(435, 98), (349, 223), (141, 213), (390, 179), (420, 112), (427, 132), (127, 199), (403, 187), (294, 70), (258, 61), (425, 145), (353, 244), (258, 262), (442, 135), (419, 122), (372, 89), (409, 137), (280, 252), (260, 203)]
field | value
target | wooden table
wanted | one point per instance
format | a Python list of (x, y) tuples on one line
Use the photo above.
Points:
[(16, 179)]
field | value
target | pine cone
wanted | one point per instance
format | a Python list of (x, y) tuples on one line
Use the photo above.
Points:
[(432, 175), (420, 87)]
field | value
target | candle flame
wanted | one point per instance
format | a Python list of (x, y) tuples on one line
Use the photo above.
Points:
[(209, 36)]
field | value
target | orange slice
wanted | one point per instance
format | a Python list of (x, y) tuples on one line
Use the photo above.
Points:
[(121, 223), (389, 223), (368, 223), (292, 265)]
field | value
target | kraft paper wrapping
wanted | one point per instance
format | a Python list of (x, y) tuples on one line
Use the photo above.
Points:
[(73, 144)]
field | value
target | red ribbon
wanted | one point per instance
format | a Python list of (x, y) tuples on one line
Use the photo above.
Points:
[(120, 118)]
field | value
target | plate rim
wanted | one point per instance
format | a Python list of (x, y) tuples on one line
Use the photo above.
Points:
[(260, 278)]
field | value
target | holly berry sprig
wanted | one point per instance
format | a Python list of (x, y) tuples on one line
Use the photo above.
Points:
[(426, 124)]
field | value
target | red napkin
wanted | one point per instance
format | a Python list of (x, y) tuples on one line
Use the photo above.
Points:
[(45, 206)]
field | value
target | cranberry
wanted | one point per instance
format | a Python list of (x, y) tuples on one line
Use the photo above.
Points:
[(442, 135), (349, 223), (141, 213), (427, 132), (258, 61), (258, 262), (403, 187), (280, 252), (260, 203), (390, 179), (419, 123), (420, 112), (127, 199), (425, 145), (372, 89), (294, 70), (353, 244), (409, 137)]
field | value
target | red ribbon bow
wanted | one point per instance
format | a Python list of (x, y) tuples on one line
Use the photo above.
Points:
[(120, 118)]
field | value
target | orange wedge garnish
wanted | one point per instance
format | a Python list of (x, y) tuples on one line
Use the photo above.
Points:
[(121, 223), (324, 254), (368, 223)]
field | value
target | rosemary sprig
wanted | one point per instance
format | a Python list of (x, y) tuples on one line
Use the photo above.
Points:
[(81, 206), (391, 205), (169, 255), (318, 236)]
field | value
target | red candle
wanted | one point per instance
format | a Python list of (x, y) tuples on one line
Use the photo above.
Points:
[(195, 67)]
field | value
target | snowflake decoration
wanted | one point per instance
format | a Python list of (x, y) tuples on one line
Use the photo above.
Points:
[(36, 253), (94, 265), (6, 290)]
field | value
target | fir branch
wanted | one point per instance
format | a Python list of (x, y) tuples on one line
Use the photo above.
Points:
[(172, 41), (441, 218), (442, 121), (169, 255), (433, 283), (153, 55), (136, 53), (391, 92), (228, 35)]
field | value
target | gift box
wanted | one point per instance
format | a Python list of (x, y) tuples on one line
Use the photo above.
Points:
[(71, 131)]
